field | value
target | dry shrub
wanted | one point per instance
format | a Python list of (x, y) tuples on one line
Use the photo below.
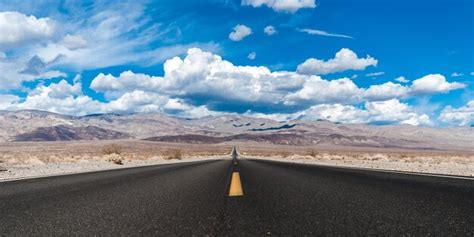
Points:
[(113, 148), (117, 161), (285, 154), (173, 154), (313, 153), (114, 158)]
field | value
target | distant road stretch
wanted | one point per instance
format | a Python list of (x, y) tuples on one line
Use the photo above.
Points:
[(240, 198)]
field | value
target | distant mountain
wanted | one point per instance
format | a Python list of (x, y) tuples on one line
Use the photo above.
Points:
[(68, 133), (31, 125)]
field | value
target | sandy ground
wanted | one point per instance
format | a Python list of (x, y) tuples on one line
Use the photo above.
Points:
[(36, 159), (34, 168)]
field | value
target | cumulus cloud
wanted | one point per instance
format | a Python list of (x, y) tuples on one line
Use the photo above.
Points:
[(240, 32), (67, 98), (344, 60), (270, 30), (395, 111), (203, 79), (317, 90), (402, 79), (252, 56), (336, 113), (385, 91), (18, 28), (323, 33), (288, 6), (114, 87), (199, 83), (381, 112), (61, 98), (434, 83), (462, 116), (457, 74)]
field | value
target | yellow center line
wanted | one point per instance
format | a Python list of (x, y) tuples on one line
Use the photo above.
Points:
[(235, 186)]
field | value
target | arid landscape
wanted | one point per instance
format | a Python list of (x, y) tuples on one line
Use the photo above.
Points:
[(36, 143)]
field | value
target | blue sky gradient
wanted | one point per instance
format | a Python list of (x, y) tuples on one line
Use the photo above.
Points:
[(77, 41)]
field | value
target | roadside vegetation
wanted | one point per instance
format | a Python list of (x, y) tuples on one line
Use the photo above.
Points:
[(173, 154), (113, 152), (112, 149)]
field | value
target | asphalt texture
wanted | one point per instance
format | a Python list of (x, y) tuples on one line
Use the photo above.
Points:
[(191, 199)]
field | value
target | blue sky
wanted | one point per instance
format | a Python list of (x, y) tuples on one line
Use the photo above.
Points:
[(399, 62)]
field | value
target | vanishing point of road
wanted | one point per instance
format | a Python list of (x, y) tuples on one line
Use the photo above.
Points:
[(238, 197)]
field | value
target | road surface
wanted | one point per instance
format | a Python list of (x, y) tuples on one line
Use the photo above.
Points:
[(275, 199)]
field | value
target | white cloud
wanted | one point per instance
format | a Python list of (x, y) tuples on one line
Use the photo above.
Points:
[(323, 33), (252, 56), (136, 101), (17, 28), (463, 116), (317, 90), (385, 91), (456, 74), (6, 101), (240, 32), (198, 85), (402, 79), (3, 55), (61, 98), (73, 42), (395, 111), (289, 6), (203, 79), (434, 83), (374, 74), (429, 84), (66, 98), (381, 112), (270, 30), (336, 113), (114, 87), (344, 60)]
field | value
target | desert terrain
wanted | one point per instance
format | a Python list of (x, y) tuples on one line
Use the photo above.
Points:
[(37, 143), (36, 159)]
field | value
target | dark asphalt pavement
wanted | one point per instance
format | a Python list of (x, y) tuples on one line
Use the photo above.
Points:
[(279, 199)]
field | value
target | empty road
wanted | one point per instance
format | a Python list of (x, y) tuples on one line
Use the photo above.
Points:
[(246, 197)]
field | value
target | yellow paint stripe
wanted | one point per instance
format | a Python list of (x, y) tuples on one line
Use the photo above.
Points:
[(235, 186)]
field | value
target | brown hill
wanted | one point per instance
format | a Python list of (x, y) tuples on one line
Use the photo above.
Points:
[(67, 133), (30, 125)]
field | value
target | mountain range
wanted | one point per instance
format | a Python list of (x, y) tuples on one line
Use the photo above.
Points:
[(30, 125)]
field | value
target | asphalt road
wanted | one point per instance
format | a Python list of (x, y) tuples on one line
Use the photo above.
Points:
[(278, 199)]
